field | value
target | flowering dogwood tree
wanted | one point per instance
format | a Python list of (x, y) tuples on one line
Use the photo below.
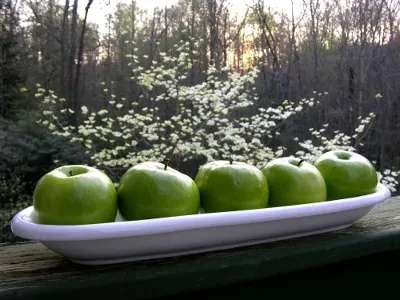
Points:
[(204, 123)]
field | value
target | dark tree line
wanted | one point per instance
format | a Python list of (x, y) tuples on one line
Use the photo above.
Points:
[(350, 49)]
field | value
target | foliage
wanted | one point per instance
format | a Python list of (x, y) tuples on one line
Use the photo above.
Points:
[(13, 198), (28, 150), (12, 74), (210, 120)]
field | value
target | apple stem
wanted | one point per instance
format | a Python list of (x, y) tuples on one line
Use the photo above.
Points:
[(231, 160), (70, 173), (301, 160), (166, 163)]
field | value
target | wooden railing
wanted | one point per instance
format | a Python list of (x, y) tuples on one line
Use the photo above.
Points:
[(368, 250)]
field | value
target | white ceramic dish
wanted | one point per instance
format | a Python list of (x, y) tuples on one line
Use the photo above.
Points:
[(124, 241)]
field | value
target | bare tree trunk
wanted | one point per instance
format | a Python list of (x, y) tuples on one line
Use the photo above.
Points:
[(48, 51), (391, 18), (107, 73), (205, 43), (109, 42), (314, 34), (133, 28), (269, 39), (212, 20), (363, 40), (133, 87), (152, 37), (71, 62), (224, 41), (80, 57), (294, 58), (192, 33), (63, 42), (165, 28)]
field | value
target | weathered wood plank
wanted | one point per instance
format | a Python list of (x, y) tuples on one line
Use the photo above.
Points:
[(31, 271)]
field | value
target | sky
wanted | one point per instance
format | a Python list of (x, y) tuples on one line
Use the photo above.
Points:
[(99, 9)]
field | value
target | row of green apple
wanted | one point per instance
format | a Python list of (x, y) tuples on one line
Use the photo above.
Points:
[(78, 194)]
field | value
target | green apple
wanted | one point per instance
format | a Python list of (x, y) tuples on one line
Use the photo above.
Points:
[(347, 174), (155, 190), (228, 186), (75, 195), (293, 181)]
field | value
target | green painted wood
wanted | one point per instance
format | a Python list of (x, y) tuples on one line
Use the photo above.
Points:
[(373, 275), (30, 271)]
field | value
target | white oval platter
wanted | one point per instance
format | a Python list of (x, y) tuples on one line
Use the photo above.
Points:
[(126, 241)]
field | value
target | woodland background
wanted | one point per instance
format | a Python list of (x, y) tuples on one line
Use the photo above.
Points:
[(347, 49)]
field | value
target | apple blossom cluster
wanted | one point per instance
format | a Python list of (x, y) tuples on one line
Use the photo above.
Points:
[(389, 178), (311, 149), (211, 119)]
